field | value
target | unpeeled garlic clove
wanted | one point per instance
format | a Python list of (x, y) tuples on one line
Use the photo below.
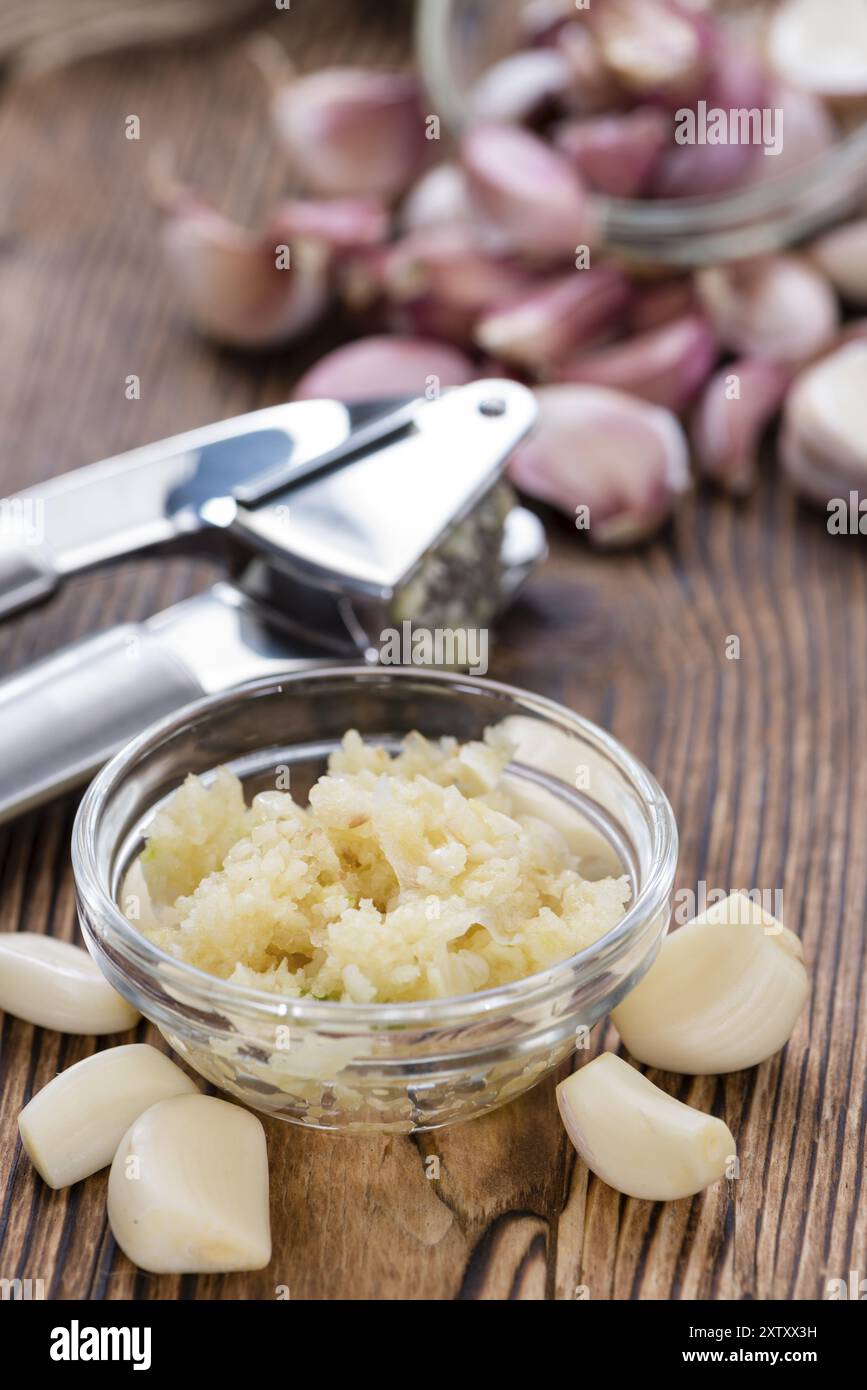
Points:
[(724, 993), (352, 132), (821, 47), (440, 281), (657, 304), (779, 307), (520, 86), (623, 460), (809, 131), (188, 1189), (637, 1138), (666, 366), (527, 190), (557, 317), (651, 47), (842, 256), (238, 287), (399, 366), (617, 154), (73, 1126), (823, 440), (56, 985), (438, 199), (735, 407), (340, 223)]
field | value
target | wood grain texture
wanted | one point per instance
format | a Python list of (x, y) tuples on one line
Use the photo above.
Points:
[(763, 758)]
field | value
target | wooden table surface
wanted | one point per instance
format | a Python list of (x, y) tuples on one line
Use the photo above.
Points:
[(763, 758)]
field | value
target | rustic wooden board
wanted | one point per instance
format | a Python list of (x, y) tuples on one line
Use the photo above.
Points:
[(763, 758)]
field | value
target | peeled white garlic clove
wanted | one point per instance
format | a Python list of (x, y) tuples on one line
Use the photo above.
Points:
[(842, 256), (617, 154), (650, 46), (555, 318), (821, 47), (399, 366), (639, 1139), (351, 131), (779, 307), (528, 190), (624, 461), (666, 366), (823, 441), (188, 1189), (724, 993), (56, 985), (73, 1126), (518, 87), (340, 223), (735, 407)]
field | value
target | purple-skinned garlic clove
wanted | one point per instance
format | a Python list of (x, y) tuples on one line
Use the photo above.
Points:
[(616, 464), (657, 304), (617, 154), (842, 255), (241, 288), (443, 280), (385, 365), (666, 366), (438, 199), (823, 440), (562, 314), (779, 307), (527, 190), (341, 223), (520, 87), (348, 132), (736, 406), (821, 46), (808, 132)]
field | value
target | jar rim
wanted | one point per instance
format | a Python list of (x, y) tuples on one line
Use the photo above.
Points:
[(96, 897)]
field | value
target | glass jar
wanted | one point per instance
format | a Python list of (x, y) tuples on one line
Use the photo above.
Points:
[(395, 1067), (458, 40)]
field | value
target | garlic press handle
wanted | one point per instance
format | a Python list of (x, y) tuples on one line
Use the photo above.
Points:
[(63, 717)]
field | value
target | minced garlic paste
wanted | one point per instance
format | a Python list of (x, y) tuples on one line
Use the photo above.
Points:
[(406, 877)]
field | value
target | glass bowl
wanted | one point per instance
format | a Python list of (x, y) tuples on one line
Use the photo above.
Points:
[(394, 1067), (457, 40)]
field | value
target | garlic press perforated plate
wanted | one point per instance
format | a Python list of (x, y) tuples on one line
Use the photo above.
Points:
[(335, 523)]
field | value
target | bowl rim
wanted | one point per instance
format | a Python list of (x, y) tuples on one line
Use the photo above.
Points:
[(216, 992)]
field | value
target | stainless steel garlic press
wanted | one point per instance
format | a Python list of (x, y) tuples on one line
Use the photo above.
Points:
[(335, 522)]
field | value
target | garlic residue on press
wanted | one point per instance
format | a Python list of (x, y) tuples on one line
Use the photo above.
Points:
[(638, 1139), (724, 993), (188, 1188), (72, 1127), (57, 985)]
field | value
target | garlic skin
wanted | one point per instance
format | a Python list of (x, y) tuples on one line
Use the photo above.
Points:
[(779, 307), (638, 1139), (528, 190), (842, 255), (73, 1126), (623, 460), (823, 440), (666, 366), (57, 985), (724, 993), (727, 429), (401, 366), (558, 316), (352, 131), (188, 1189)]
